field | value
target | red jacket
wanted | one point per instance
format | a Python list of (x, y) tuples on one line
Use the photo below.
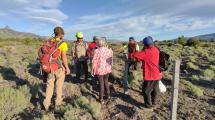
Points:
[(150, 59), (90, 50)]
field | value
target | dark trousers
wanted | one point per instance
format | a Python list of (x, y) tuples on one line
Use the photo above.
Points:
[(81, 66), (149, 92), (104, 86)]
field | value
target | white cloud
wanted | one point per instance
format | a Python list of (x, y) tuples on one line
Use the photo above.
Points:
[(149, 18), (111, 26), (42, 10)]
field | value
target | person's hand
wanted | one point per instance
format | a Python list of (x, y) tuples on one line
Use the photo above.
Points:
[(67, 71)]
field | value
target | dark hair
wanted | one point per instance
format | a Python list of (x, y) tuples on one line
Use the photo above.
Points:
[(58, 30)]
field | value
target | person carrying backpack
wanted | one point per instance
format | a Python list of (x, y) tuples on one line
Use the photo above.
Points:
[(152, 74), (129, 62), (79, 54), (53, 61), (102, 67)]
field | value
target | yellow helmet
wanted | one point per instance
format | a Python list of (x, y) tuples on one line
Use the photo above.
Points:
[(79, 35)]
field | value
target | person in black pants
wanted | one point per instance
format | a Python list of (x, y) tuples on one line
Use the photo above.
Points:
[(149, 57), (149, 93), (82, 65)]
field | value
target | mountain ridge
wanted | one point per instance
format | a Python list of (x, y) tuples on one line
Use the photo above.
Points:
[(7, 32)]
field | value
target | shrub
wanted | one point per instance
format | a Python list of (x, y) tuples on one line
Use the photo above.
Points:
[(193, 42), (82, 102), (68, 112), (84, 89), (207, 74), (191, 66), (77, 114), (49, 116), (211, 60), (62, 109), (195, 77), (94, 108), (91, 105), (212, 67), (196, 91), (13, 101), (71, 115), (182, 40), (134, 78), (191, 59)]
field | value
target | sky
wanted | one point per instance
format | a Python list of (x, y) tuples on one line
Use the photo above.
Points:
[(114, 19)]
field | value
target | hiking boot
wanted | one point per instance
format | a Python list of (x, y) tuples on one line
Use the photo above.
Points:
[(126, 92)]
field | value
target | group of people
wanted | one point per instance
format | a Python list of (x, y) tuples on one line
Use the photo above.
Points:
[(100, 57)]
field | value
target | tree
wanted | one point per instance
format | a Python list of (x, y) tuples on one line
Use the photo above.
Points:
[(182, 40), (193, 42)]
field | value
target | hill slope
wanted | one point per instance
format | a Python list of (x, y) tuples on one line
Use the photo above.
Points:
[(206, 36), (10, 33)]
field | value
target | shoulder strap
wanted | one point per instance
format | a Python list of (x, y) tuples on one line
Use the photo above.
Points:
[(58, 44)]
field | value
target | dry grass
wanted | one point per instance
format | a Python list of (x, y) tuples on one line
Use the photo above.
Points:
[(194, 90)]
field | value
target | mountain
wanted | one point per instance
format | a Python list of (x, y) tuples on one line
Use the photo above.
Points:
[(10, 33), (206, 37)]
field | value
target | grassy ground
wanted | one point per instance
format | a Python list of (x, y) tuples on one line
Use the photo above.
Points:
[(22, 90)]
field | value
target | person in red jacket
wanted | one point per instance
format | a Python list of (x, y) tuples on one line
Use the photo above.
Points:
[(151, 72), (90, 53)]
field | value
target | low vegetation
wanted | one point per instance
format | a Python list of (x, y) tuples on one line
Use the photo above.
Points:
[(208, 74), (23, 101), (194, 90), (13, 101), (192, 66), (91, 105)]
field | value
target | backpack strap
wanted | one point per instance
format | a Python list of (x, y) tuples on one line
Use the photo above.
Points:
[(58, 44)]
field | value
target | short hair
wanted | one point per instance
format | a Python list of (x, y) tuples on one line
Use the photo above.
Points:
[(102, 42), (58, 30)]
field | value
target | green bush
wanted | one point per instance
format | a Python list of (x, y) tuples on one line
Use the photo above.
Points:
[(82, 102), (84, 89), (182, 40), (13, 101), (191, 59), (195, 77), (49, 116), (94, 108), (191, 66), (71, 115), (212, 60), (193, 42), (134, 78), (91, 105), (207, 74), (196, 91), (212, 67)]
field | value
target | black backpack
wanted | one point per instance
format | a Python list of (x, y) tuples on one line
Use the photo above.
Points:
[(164, 61)]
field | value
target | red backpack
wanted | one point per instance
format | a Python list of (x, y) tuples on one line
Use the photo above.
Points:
[(49, 56)]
